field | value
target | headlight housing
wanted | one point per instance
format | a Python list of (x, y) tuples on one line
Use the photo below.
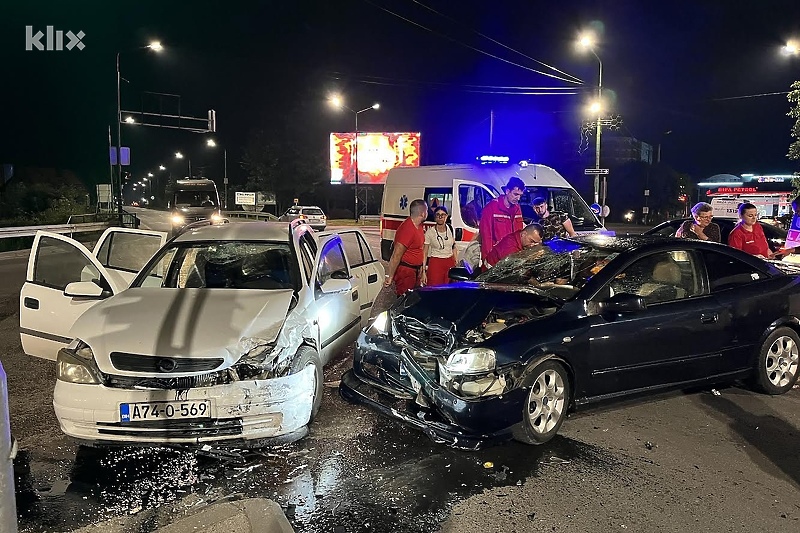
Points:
[(379, 325), (178, 219), (469, 361), (75, 364)]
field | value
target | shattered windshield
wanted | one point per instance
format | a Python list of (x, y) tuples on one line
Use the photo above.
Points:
[(223, 265), (559, 268)]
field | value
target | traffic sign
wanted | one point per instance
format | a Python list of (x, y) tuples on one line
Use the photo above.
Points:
[(596, 171)]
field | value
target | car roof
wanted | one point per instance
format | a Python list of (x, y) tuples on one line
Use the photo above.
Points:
[(238, 231), (621, 243), (305, 207)]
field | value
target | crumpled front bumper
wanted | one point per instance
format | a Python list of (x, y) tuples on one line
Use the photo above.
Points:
[(416, 398)]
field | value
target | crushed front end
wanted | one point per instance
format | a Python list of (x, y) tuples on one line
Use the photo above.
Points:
[(444, 374)]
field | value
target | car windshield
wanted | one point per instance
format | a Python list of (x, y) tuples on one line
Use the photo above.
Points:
[(559, 268), (222, 265), (195, 198)]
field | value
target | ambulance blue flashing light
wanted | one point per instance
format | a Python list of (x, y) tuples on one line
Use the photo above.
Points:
[(487, 159)]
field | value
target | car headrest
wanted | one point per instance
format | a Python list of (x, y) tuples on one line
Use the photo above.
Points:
[(667, 272)]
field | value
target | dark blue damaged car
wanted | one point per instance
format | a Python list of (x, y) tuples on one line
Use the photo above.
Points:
[(577, 321)]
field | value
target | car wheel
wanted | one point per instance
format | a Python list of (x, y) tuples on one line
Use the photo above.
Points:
[(545, 405), (308, 356), (776, 370)]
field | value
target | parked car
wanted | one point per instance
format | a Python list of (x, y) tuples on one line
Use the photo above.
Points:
[(311, 215), (776, 235), (577, 321), (220, 337)]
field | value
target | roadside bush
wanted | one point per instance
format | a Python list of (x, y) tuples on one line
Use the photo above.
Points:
[(338, 213)]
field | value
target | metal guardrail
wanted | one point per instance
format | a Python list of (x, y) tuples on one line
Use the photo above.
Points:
[(30, 231), (369, 218), (252, 215)]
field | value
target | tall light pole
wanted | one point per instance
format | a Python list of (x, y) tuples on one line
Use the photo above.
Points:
[(156, 47), (212, 143), (337, 102), (179, 155), (587, 43)]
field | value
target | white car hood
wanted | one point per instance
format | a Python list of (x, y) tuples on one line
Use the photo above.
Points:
[(181, 322)]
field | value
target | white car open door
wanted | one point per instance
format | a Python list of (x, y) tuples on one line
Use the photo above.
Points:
[(46, 312), (367, 272), (338, 313), (124, 251)]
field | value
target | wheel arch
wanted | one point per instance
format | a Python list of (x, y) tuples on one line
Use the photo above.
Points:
[(542, 354)]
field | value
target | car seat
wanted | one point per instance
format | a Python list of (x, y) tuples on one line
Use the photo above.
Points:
[(666, 283)]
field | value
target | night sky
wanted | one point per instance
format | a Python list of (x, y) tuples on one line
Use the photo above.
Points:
[(694, 68)]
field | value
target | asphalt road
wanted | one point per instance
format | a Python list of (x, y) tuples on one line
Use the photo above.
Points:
[(694, 460)]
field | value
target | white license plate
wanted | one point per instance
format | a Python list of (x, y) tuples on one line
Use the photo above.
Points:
[(148, 411)]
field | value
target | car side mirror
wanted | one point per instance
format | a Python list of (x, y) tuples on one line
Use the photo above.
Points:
[(85, 289), (622, 303), (333, 286), (460, 274)]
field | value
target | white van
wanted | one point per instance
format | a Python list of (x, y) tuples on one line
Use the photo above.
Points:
[(466, 189)]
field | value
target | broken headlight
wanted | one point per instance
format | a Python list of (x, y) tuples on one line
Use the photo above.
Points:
[(379, 324), (473, 360), (75, 364), (258, 359)]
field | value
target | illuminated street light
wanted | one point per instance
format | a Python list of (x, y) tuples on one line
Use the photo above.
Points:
[(211, 143), (156, 47), (179, 155), (337, 102), (162, 167), (149, 174), (587, 42), (129, 120), (791, 48)]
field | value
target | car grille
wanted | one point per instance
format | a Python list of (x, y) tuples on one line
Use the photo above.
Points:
[(176, 383), (132, 362), (173, 428)]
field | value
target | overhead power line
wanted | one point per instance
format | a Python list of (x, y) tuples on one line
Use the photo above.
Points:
[(577, 80), (566, 80)]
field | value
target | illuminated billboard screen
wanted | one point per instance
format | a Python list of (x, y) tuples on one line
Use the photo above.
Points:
[(376, 153)]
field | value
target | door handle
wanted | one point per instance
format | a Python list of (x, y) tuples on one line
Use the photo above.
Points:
[(31, 303), (354, 295), (372, 278), (708, 318)]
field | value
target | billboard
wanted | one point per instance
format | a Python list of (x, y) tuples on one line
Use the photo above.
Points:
[(376, 153)]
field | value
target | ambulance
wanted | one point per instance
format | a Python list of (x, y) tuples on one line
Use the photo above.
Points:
[(466, 189)]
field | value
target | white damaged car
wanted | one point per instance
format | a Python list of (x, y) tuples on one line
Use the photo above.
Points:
[(220, 336)]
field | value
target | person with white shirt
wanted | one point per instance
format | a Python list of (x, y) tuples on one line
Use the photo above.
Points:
[(439, 250)]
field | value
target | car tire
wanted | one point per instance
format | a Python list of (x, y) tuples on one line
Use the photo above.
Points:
[(545, 405), (777, 362), (308, 356)]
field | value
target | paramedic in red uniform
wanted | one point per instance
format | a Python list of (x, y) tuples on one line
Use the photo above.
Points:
[(530, 235), (405, 265), (502, 216), (440, 249), (748, 235)]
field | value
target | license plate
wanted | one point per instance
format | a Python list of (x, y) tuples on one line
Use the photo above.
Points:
[(148, 411)]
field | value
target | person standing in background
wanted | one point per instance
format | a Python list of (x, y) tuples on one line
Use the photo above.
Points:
[(701, 227), (502, 216), (439, 250), (748, 235), (405, 265)]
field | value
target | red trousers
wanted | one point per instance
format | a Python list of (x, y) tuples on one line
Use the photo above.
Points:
[(438, 269), (405, 279)]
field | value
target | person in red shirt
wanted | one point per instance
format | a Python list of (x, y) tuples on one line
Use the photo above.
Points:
[(530, 235), (748, 235), (405, 265), (502, 216)]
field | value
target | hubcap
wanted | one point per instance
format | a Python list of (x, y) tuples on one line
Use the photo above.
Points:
[(782, 360), (546, 401)]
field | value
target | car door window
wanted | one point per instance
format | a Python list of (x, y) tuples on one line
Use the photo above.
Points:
[(307, 261), (353, 248), (128, 251), (659, 277), (332, 264), (726, 272), (59, 264), (472, 200)]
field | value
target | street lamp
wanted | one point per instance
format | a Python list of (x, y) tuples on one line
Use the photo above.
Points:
[(586, 42), (792, 48), (156, 47), (179, 155), (212, 144), (337, 102)]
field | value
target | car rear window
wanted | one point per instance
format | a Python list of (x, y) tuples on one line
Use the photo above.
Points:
[(312, 211)]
